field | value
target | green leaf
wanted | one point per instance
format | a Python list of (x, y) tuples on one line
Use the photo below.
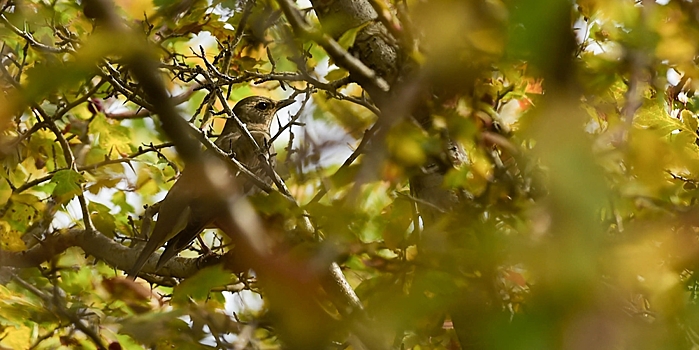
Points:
[(240, 92), (345, 176), (689, 120), (5, 192), (113, 138), (398, 217), (24, 210), (52, 76), (43, 147), (336, 74), (16, 308), (80, 281), (102, 219), (273, 203), (653, 116), (95, 155), (353, 118), (317, 55), (347, 39), (153, 328), (103, 182), (119, 199), (127, 342), (164, 3), (406, 143), (198, 286), (67, 185), (10, 240)]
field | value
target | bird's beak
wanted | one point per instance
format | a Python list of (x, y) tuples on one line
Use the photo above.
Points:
[(283, 103)]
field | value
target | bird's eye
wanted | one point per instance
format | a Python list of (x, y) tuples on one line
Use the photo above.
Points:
[(262, 106)]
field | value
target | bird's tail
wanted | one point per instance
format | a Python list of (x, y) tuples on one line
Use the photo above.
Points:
[(143, 257)]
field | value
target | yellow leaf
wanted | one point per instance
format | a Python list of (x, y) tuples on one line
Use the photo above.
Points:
[(405, 142), (336, 74), (347, 39), (114, 139), (689, 120), (18, 337), (10, 240)]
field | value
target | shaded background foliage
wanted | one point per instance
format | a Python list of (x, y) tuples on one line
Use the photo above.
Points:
[(489, 174)]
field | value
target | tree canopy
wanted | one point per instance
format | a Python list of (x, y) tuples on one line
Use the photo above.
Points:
[(454, 174)]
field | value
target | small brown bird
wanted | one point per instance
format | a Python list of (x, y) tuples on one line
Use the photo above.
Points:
[(186, 211)]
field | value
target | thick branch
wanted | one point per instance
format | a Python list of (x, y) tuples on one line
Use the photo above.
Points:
[(358, 70), (97, 245)]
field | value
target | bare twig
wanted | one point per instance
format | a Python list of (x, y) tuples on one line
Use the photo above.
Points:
[(249, 4), (293, 119), (54, 304), (30, 39), (145, 112)]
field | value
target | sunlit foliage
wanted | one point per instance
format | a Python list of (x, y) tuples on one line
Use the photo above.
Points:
[(529, 178)]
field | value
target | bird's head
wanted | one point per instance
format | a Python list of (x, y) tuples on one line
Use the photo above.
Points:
[(258, 109)]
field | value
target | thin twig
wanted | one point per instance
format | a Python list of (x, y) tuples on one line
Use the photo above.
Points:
[(30, 39), (293, 119), (249, 4), (54, 304)]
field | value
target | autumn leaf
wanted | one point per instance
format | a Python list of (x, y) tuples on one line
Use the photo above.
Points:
[(68, 185)]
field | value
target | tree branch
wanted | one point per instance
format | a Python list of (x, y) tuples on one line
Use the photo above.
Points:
[(358, 70)]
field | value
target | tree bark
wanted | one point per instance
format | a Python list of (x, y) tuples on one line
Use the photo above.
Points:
[(410, 89), (377, 49)]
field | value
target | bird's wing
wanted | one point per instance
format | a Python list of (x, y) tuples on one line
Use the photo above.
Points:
[(227, 141), (176, 211), (183, 238)]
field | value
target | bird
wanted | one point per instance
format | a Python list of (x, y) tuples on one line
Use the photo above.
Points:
[(184, 212)]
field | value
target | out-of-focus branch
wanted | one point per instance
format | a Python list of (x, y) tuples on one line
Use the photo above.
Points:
[(54, 303), (287, 295), (368, 135), (634, 98)]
